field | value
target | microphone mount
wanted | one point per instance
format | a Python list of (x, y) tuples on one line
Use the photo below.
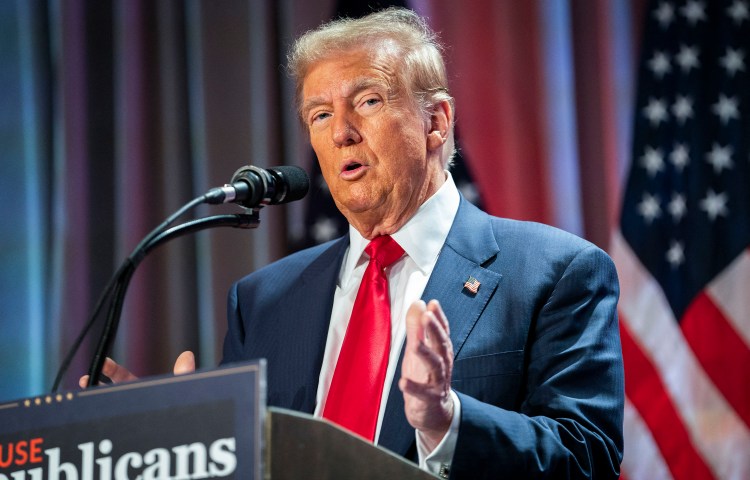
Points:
[(292, 179)]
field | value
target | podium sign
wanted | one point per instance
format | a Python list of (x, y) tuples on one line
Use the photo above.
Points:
[(202, 425)]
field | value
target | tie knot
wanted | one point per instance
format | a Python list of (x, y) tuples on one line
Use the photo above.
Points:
[(384, 250)]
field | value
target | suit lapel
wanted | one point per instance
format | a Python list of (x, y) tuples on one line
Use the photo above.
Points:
[(312, 304), (470, 244)]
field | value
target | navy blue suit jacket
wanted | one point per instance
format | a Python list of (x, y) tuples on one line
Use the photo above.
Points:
[(538, 365)]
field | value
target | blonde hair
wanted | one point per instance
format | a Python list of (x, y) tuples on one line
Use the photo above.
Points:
[(416, 46)]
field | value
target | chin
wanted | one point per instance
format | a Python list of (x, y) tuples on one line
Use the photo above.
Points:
[(356, 199), (355, 208)]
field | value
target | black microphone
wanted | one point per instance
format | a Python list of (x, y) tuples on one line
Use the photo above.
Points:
[(254, 187)]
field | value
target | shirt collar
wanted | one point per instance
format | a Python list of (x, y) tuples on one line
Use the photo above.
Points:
[(421, 237)]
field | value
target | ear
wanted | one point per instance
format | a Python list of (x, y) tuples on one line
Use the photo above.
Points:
[(440, 124)]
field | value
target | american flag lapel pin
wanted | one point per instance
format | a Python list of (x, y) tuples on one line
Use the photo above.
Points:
[(472, 285)]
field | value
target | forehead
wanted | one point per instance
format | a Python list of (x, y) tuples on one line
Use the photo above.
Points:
[(350, 69)]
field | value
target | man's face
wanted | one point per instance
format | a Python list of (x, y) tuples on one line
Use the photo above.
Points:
[(371, 140)]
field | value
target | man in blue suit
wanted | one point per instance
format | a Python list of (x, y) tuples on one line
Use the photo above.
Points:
[(513, 368), (504, 358)]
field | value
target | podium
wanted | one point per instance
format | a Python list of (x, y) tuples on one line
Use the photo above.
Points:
[(301, 446), (209, 424)]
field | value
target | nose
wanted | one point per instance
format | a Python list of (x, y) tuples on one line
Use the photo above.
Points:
[(344, 132)]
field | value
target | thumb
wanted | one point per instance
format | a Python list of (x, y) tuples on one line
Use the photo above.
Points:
[(185, 363)]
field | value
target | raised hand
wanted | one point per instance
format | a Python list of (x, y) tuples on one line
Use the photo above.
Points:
[(426, 371)]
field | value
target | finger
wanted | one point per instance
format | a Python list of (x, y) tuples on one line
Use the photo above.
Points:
[(185, 363), (427, 367), (116, 372), (439, 341), (415, 389), (428, 345), (83, 382), (420, 391), (437, 310), (435, 365), (414, 330)]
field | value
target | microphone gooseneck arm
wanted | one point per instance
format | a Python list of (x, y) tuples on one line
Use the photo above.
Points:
[(109, 331), (123, 272), (251, 187)]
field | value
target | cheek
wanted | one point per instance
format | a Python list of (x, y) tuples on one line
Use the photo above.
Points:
[(409, 152), (323, 152), (403, 141)]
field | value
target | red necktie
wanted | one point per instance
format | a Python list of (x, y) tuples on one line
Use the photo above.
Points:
[(357, 386)]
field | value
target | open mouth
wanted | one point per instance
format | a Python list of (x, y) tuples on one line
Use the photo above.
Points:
[(353, 170)]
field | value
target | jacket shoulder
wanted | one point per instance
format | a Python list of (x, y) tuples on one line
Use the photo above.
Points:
[(297, 263)]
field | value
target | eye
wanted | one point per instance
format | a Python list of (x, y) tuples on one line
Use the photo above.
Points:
[(318, 117), (370, 102)]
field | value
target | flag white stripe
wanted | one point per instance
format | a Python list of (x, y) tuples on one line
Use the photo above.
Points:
[(715, 429), (642, 458), (730, 291)]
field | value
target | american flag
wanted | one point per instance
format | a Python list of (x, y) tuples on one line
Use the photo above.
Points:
[(472, 285), (682, 248)]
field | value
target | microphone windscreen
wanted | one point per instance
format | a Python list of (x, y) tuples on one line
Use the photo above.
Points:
[(296, 180)]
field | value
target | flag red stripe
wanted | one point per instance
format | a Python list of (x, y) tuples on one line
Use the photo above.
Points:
[(723, 354), (646, 391)]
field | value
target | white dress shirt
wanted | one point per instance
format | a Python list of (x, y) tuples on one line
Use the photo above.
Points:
[(422, 238)]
